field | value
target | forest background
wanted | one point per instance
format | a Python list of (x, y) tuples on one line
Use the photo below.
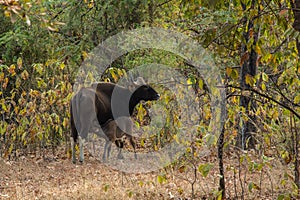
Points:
[(254, 43)]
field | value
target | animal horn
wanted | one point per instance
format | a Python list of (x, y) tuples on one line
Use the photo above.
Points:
[(139, 81), (131, 86), (130, 77)]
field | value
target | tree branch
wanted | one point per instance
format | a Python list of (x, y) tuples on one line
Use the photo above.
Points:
[(267, 97)]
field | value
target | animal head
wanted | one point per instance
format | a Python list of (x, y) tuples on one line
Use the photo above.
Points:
[(146, 93), (142, 91)]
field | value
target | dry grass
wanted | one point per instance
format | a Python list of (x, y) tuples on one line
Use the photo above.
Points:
[(55, 177)]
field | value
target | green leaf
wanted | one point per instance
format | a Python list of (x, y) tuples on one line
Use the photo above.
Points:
[(263, 86), (62, 66), (265, 77), (205, 169), (281, 197), (211, 139), (249, 79), (297, 99), (250, 187), (232, 73), (38, 68), (130, 194), (161, 178), (200, 83), (106, 187), (191, 80)]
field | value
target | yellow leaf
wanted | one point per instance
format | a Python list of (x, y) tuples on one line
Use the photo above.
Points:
[(234, 132), (176, 138), (275, 114), (228, 71), (234, 74), (265, 77), (65, 122), (11, 70), (297, 99), (249, 79), (189, 81), (258, 50), (200, 83), (267, 141), (1, 76), (220, 196), (38, 120), (263, 86), (50, 28), (5, 83), (62, 66), (257, 112), (106, 187), (19, 63), (18, 82), (84, 54), (25, 75), (7, 13)]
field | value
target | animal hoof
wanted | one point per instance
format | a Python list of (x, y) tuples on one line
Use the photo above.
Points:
[(74, 161), (135, 156), (121, 157)]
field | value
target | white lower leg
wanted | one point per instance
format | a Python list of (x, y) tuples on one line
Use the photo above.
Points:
[(81, 153), (73, 149)]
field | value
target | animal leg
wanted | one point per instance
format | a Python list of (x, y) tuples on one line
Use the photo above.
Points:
[(120, 155), (85, 114), (81, 145), (120, 144), (133, 145), (73, 150), (104, 152), (107, 148)]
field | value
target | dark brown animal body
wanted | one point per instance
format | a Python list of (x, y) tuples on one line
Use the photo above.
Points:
[(92, 109)]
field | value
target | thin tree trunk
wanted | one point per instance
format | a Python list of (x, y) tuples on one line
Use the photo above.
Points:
[(248, 61), (221, 164), (296, 25), (296, 10)]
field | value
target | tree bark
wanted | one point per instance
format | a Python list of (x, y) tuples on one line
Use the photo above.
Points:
[(248, 60), (221, 164), (296, 10), (296, 25)]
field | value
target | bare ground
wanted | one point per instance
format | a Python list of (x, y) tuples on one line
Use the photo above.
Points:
[(55, 177)]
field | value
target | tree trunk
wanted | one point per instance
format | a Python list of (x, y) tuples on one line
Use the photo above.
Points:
[(221, 164), (296, 25), (248, 61), (296, 10)]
